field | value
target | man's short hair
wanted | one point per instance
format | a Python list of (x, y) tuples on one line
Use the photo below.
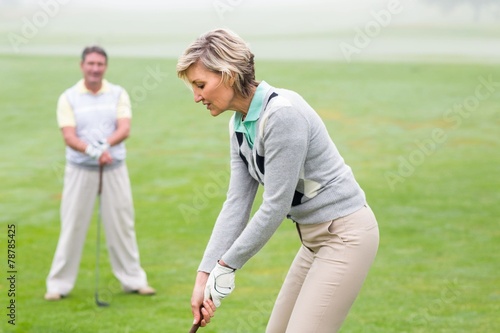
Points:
[(94, 49)]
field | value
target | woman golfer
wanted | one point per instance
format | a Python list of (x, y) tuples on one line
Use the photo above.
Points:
[(278, 141)]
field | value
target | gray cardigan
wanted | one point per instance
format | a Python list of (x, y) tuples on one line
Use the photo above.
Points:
[(303, 174)]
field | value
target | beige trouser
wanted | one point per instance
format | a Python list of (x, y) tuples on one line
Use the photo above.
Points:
[(117, 214), (326, 275)]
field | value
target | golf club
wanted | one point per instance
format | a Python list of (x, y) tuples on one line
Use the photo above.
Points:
[(98, 242), (194, 328)]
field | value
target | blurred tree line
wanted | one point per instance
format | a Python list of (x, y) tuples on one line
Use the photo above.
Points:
[(477, 5)]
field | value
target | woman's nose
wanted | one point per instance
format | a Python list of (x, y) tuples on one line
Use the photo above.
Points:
[(197, 98)]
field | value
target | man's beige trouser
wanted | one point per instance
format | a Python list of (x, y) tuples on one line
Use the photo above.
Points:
[(77, 206)]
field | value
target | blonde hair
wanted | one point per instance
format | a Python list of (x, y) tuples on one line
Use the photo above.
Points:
[(224, 52)]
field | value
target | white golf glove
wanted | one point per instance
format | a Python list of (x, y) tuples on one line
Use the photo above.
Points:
[(220, 283), (103, 145), (93, 151)]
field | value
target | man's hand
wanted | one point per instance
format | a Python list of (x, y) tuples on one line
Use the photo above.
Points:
[(105, 158), (220, 283), (93, 151), (103, 145), (100, 152)]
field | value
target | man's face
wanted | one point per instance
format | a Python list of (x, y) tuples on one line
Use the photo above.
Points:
[(93, 68)]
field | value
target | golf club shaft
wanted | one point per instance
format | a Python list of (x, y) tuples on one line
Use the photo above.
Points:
[(98, 240)]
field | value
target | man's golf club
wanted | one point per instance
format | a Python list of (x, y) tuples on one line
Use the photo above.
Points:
[(98, 242)]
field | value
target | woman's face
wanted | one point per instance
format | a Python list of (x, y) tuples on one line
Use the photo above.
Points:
[(209, 89)]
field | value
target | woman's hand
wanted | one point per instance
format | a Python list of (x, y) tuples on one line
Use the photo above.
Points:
[(220, 283), (203, 310)]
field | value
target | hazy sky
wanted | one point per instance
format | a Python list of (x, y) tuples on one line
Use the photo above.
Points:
[(200, 4), (415, 11), (342, 5), (275, 28)]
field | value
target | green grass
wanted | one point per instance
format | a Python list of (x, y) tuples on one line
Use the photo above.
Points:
[(437, 266)]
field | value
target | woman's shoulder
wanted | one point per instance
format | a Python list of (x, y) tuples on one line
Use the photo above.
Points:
[(287, 104)]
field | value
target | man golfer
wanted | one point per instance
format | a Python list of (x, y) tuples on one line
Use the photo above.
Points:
[(94, 116)]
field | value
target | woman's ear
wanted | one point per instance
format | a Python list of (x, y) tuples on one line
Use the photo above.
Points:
[(232, 79)]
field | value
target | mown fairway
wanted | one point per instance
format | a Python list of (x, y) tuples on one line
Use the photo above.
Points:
[(429, 166)]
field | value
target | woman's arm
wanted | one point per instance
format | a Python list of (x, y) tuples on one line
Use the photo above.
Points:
[(286, 138), (235, 212)]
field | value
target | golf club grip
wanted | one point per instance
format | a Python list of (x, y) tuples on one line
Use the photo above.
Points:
[(101, 167), (194, 328)]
